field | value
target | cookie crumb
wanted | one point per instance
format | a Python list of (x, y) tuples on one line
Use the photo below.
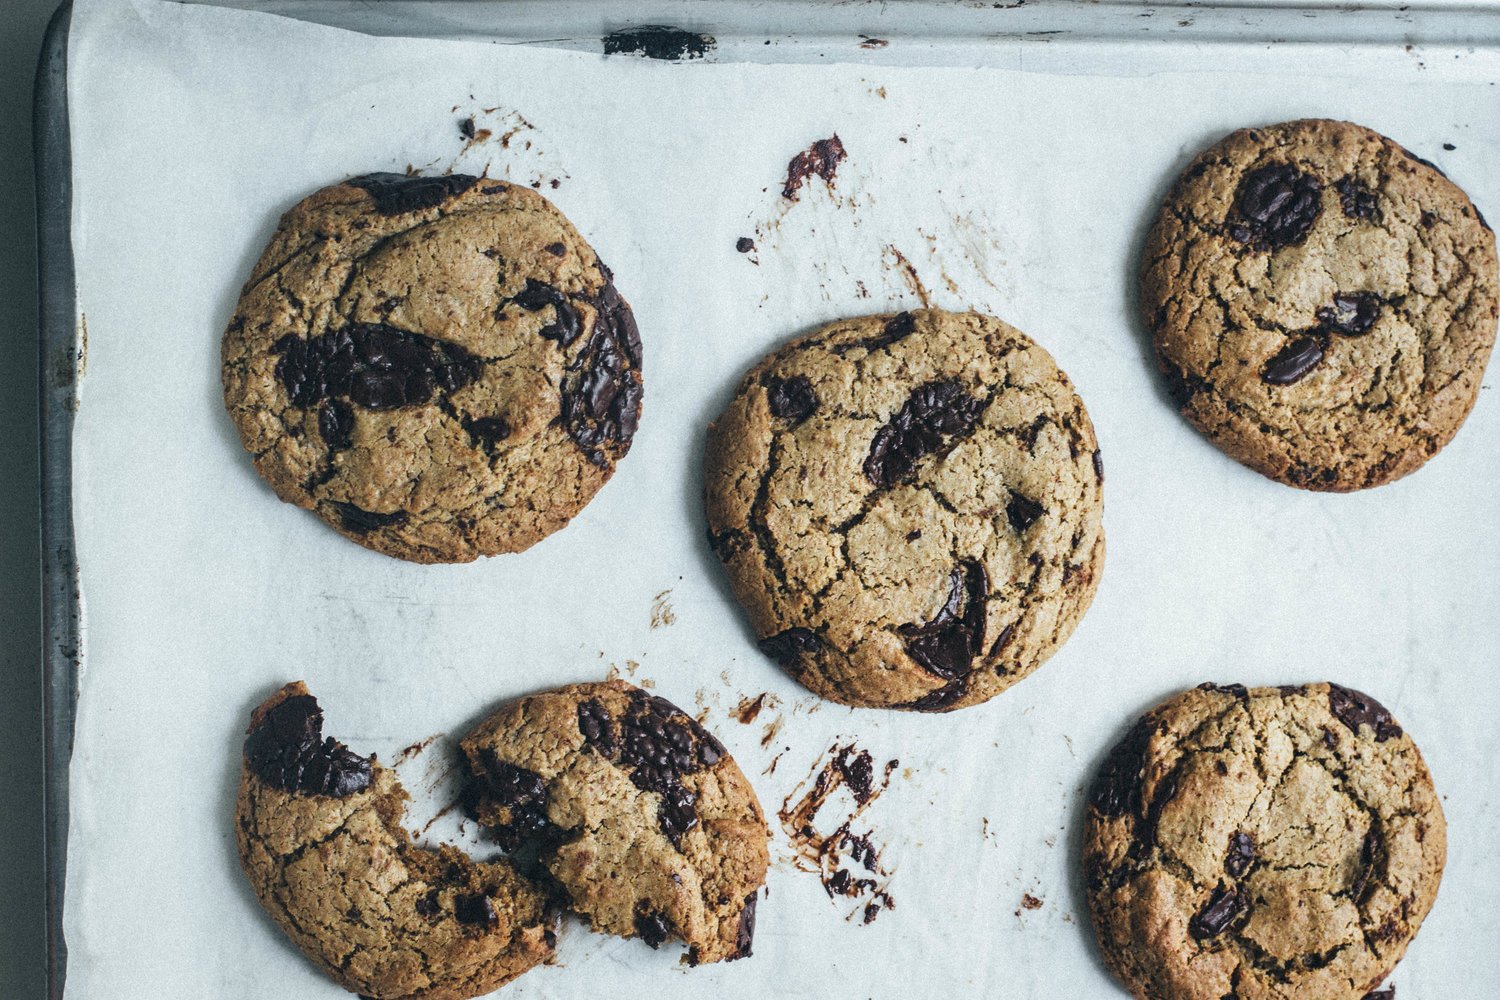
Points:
[(661, 611), (821, 159), (749, 708)]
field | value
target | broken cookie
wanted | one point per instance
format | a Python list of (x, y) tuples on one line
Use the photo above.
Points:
[(321, 841), (636, 810)]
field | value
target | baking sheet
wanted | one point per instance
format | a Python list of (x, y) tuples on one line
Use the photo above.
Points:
[(1020, 185)]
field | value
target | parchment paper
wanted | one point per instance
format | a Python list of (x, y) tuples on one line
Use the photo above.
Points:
[(1021, 188)]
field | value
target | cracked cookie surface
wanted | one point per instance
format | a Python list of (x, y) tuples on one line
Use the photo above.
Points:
[(1264, 843), (439, 367), (1323, 303), (909, 508), (635, 809), (321, 841)]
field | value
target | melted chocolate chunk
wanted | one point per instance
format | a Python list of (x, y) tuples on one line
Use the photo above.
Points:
[(538, 295), (372, 365), (1099, 465), (1002, 640), (934, 415), (287, 750), (821, 159), (466, 127), (652, 927), (1389, 993), (744, 935), (361, 521), (661, 744), (1296, 359), (1022, 512), (898, 327), (1277, 206), (792, 398), (947, 645), (858, 770), (941, 698), (1241, 854), (601, 389), (397, 193), (1369, 857), (1165, 792), (336, 424), (1357, 201), (1117, 789), (1355, 708), (1225, 907), (489, 430), (475, 908), (427, 905), (789, 647), (1351, 315), (744, 244), (1424, 161), (523, 794), (556, 249), (597, 728), (514, 787), (656, 41), (1237, 690)]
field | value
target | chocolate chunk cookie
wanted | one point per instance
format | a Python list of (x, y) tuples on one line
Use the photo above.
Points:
[(636, 810), (1323, 303), (1265, 843), (909, 507), (320, 839), (439, 367)]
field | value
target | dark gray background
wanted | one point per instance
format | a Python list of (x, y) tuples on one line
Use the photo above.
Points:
[(22, 950)]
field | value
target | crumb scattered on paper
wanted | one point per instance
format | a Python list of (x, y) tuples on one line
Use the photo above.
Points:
[(749, 709), (821, 159), (661, 610)]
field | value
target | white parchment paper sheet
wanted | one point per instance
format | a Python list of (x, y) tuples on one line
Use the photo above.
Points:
[(1021, 188)]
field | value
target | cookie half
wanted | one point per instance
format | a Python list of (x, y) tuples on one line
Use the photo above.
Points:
[(439, 367), (909, 507), (1263, 843), (635, 809), (321, 841), (1323, 303)]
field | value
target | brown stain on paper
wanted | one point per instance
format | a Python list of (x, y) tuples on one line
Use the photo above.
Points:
[(864, 879)]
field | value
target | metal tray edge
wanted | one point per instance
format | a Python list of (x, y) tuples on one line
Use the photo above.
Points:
[(58, 374)]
